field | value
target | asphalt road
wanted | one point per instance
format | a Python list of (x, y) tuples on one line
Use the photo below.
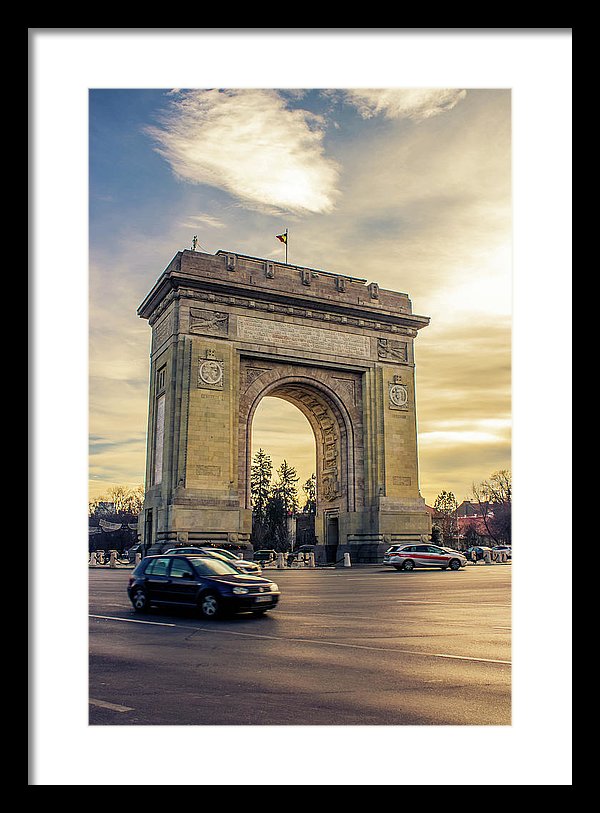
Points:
[(353, 646)]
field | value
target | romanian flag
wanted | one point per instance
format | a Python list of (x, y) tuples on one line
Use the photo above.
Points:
[(282, 237)]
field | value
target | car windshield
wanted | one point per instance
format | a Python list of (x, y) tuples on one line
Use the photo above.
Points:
[(217, 554), (225, 553), (183, 551), (213, 567)]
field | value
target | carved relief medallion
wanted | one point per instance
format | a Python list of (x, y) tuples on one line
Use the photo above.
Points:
[(398, 394), (210, 372)]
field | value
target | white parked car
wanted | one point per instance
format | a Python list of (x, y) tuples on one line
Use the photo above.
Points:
[(410, 556), (503, 549), (243, 565)]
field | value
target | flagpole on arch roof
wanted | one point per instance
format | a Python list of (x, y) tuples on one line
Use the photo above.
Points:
[(284, 239)]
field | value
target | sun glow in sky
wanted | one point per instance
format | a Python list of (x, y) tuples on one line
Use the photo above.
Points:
[(410, 188)]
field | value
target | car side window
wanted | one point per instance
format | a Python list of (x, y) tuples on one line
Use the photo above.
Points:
[(180, 569), (422, 548), (159, 567), (433, 549)]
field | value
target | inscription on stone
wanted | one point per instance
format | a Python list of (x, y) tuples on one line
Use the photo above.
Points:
[(301, 337), (402, 481), (211, 471)]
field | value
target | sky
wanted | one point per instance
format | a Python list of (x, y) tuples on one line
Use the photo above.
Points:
[(406, 187)]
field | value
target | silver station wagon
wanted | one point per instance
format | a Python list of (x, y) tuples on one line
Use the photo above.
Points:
[(409, 556)]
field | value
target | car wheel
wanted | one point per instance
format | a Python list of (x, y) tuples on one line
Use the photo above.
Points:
[(455, 564), (408, 565), (210, 605), (140, 602)]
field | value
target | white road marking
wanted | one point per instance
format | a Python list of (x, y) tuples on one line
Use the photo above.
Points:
[(450, 603), (134, 620), (314, 641), (112, 706), (348, 616)]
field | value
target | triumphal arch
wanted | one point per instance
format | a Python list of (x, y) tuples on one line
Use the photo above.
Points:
[(229, 330)]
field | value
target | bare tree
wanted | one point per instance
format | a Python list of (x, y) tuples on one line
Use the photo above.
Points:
[(494, 498), (120, 506)]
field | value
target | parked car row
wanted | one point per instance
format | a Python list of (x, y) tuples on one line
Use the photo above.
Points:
[(478, 552), (269, 557), (217, 582)]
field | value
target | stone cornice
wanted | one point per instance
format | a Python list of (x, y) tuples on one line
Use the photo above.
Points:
[(190, 283)]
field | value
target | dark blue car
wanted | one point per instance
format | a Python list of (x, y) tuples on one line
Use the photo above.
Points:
[(210, 585)]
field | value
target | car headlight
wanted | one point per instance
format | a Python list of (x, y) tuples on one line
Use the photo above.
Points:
[(274, 587), (240, 590)]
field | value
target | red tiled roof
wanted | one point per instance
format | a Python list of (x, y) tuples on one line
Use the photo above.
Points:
[(477, 523)]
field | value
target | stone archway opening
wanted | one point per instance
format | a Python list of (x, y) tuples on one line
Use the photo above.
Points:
[(283, 433), (330, 405)]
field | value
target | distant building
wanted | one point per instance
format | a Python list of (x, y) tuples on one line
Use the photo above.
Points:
[(468, 525), (305, 529), (469, 519), (473, 509)]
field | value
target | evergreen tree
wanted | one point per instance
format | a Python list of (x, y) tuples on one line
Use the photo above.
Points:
[(446, 506), (310, 489), (260, 483), (285, 486)]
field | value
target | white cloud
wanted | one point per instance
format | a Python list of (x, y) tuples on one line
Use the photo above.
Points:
[(250, 144), (206, 220), (458, 438), (397, 103)]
